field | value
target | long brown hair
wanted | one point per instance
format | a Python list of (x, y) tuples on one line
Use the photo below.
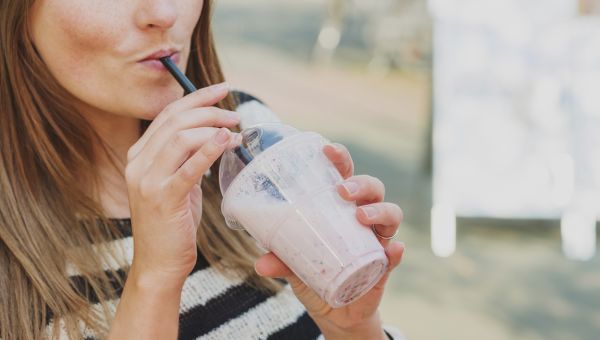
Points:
[(46, 221)]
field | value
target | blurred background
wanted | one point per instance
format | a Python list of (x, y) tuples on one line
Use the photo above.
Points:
[(482, 117)]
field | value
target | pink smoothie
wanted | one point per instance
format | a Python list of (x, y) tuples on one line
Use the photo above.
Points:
[(306, 223)]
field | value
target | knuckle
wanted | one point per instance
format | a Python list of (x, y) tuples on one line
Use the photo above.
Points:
[(214, 113), (206, 115), (394, 213), (168, 123), (165, 115), (181, 140), (204, 156), (376, 181), (394, 219), (167, 111), (173, 121), (211, 150), (179, 119), (378, 185), (360, 179), (147, 188), (187, 172), (399, 213)]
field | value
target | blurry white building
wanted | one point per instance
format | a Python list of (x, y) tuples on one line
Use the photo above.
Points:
[(516, 116)]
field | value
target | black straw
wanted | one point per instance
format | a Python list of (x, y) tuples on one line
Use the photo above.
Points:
[(178, 75)]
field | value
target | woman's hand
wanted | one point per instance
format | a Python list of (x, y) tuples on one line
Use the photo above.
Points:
[(360, 319), (164, 171)]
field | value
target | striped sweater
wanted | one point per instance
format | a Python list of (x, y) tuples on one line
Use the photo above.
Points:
[(215, 306)]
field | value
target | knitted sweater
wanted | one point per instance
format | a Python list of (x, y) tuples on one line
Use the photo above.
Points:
[(214, 305)]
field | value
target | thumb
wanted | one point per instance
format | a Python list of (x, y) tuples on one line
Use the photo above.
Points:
[(270, 265)]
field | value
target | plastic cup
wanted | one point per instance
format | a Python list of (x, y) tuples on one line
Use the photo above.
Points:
[(284, 195)]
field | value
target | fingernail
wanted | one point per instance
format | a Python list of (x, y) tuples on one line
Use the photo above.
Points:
[(222, 137), (218, 88), (335, 147), (256, 269), (369, 211), (351, 187)]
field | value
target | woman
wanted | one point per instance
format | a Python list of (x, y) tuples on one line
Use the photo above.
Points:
[(108, 226)]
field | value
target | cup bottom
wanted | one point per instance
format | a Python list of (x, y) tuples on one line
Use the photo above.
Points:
[(357, 279)]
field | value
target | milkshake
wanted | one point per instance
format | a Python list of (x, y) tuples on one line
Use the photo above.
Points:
[(282, 190)]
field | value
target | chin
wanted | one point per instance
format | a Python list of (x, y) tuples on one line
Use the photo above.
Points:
[(151, 106)]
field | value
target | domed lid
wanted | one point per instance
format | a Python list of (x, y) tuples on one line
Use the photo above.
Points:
[(255, 140)]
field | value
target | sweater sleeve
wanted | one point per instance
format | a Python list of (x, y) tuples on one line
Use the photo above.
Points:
[(253, 111)]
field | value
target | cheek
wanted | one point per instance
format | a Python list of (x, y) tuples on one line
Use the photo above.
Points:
[(85, 68), (86, 26), (73, 30), (90, 47), (73, 38)]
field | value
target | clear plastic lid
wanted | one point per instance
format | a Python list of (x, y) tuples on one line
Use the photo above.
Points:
[(255, 140)]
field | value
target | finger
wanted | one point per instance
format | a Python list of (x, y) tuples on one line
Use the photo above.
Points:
[(207, 96), (180, 147), (385, 214), (204, 97), (384, 217), (340, 157), (190, 172), (202, 117), (270, 265), (394, 252), (371, 300), (363, 189)]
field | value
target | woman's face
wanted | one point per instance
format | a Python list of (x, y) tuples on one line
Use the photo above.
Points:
[(105, 52)]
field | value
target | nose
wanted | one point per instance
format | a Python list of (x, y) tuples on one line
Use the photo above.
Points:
[(160, 14)]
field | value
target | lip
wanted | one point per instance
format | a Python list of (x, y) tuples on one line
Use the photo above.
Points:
[(152, 61)]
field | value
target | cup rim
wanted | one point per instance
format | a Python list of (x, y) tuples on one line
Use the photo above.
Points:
[(265, 153)]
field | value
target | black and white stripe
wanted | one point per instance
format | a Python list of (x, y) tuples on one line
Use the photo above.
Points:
[(253, 111), (214, 305)]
